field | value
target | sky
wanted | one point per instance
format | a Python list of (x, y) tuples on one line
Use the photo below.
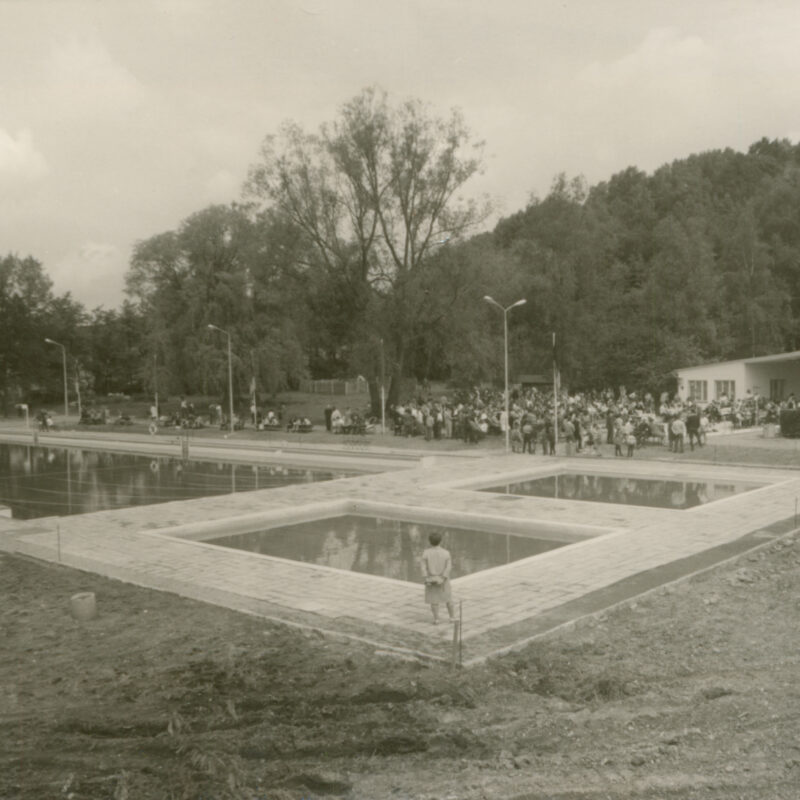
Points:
[(120, 118)]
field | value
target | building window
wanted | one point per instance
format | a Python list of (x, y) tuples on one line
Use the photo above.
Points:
[(726, 389), (777, 389), (698, 391)]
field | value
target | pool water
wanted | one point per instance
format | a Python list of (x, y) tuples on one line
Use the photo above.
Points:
[(387, 547), (657, 493), (44, 481)]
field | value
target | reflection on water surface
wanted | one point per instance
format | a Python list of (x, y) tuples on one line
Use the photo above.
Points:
[(388, 547), (626, 490), (48, 481)]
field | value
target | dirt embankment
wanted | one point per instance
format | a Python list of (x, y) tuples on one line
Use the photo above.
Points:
[(688, 694)]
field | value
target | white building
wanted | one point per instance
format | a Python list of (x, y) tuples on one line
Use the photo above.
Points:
[(774, 377)]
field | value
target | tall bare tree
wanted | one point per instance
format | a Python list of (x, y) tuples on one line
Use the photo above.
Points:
[(371, 195)]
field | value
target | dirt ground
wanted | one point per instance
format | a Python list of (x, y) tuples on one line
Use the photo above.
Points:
[(691, 692)]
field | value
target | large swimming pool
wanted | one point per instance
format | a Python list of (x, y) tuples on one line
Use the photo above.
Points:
[(47, 481), (653, 492), (387, 547)]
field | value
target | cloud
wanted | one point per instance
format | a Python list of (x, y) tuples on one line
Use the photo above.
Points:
[(222, 187), (178, 11), (19, 158), (84, 79), (663, 60), (646, 106), (94, 273)]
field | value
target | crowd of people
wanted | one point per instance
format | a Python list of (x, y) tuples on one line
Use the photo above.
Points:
[(188, 417), (348, 421), (584, 420)]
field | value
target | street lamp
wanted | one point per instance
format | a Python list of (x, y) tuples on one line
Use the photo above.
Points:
[(155, 384), (230, 373), (383, 392), (505, 311), (64, 359)]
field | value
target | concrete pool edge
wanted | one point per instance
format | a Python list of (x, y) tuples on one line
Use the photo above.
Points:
[(206, 533), (211, 450), (573, 614), (118, 545), (396, 641), (631, 589), (500, 485), (552, 530)]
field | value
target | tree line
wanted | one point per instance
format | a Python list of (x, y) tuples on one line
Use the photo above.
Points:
[(357, 249)]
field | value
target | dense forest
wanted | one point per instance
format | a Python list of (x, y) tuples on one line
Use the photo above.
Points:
[(353, 251), (646, 273)]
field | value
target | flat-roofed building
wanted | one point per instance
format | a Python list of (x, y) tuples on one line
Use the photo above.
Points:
[(774, 377)]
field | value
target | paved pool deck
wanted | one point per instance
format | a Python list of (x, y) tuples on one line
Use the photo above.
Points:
[(613, 553)]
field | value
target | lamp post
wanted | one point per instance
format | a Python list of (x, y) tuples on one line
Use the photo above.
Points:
[(155, 383), (230, 373), (78, 386), (505, 311), (64, 359), (383, 392)]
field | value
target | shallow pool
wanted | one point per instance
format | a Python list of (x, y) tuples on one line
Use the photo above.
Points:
[(46, 481), (388, 547), (658, 493)]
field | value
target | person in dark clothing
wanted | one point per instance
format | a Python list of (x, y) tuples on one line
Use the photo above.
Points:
[(550, 433), (528, 433), (693, 427)]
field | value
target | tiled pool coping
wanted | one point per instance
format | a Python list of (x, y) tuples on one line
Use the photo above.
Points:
[(627, 549)]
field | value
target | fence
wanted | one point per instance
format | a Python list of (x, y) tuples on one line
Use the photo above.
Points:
[(332, 386)]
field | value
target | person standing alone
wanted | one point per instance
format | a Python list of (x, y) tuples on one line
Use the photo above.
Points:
[(436, 565)]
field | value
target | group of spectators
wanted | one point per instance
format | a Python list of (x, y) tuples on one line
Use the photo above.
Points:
[(585, 420), (347, 421), (187, 416), (582, 420)]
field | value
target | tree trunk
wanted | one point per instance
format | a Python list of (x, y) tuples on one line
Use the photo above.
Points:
[(375, 397), (396, 382), (395, 389), (4, 391)]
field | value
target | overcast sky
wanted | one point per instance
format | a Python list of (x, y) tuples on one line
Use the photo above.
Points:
[(118, 119)]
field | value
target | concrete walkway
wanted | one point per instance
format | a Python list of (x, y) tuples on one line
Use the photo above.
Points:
[(613, 552)]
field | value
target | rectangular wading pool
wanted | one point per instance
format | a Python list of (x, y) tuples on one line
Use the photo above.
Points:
[(39, 481), (626, 490), (389, 548)]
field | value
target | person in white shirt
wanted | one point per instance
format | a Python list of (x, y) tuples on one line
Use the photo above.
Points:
[(436, 565), (678, 428)]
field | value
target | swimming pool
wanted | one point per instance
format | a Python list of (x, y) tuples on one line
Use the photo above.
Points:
[(626, 490), (46, 481), (390, 548)]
